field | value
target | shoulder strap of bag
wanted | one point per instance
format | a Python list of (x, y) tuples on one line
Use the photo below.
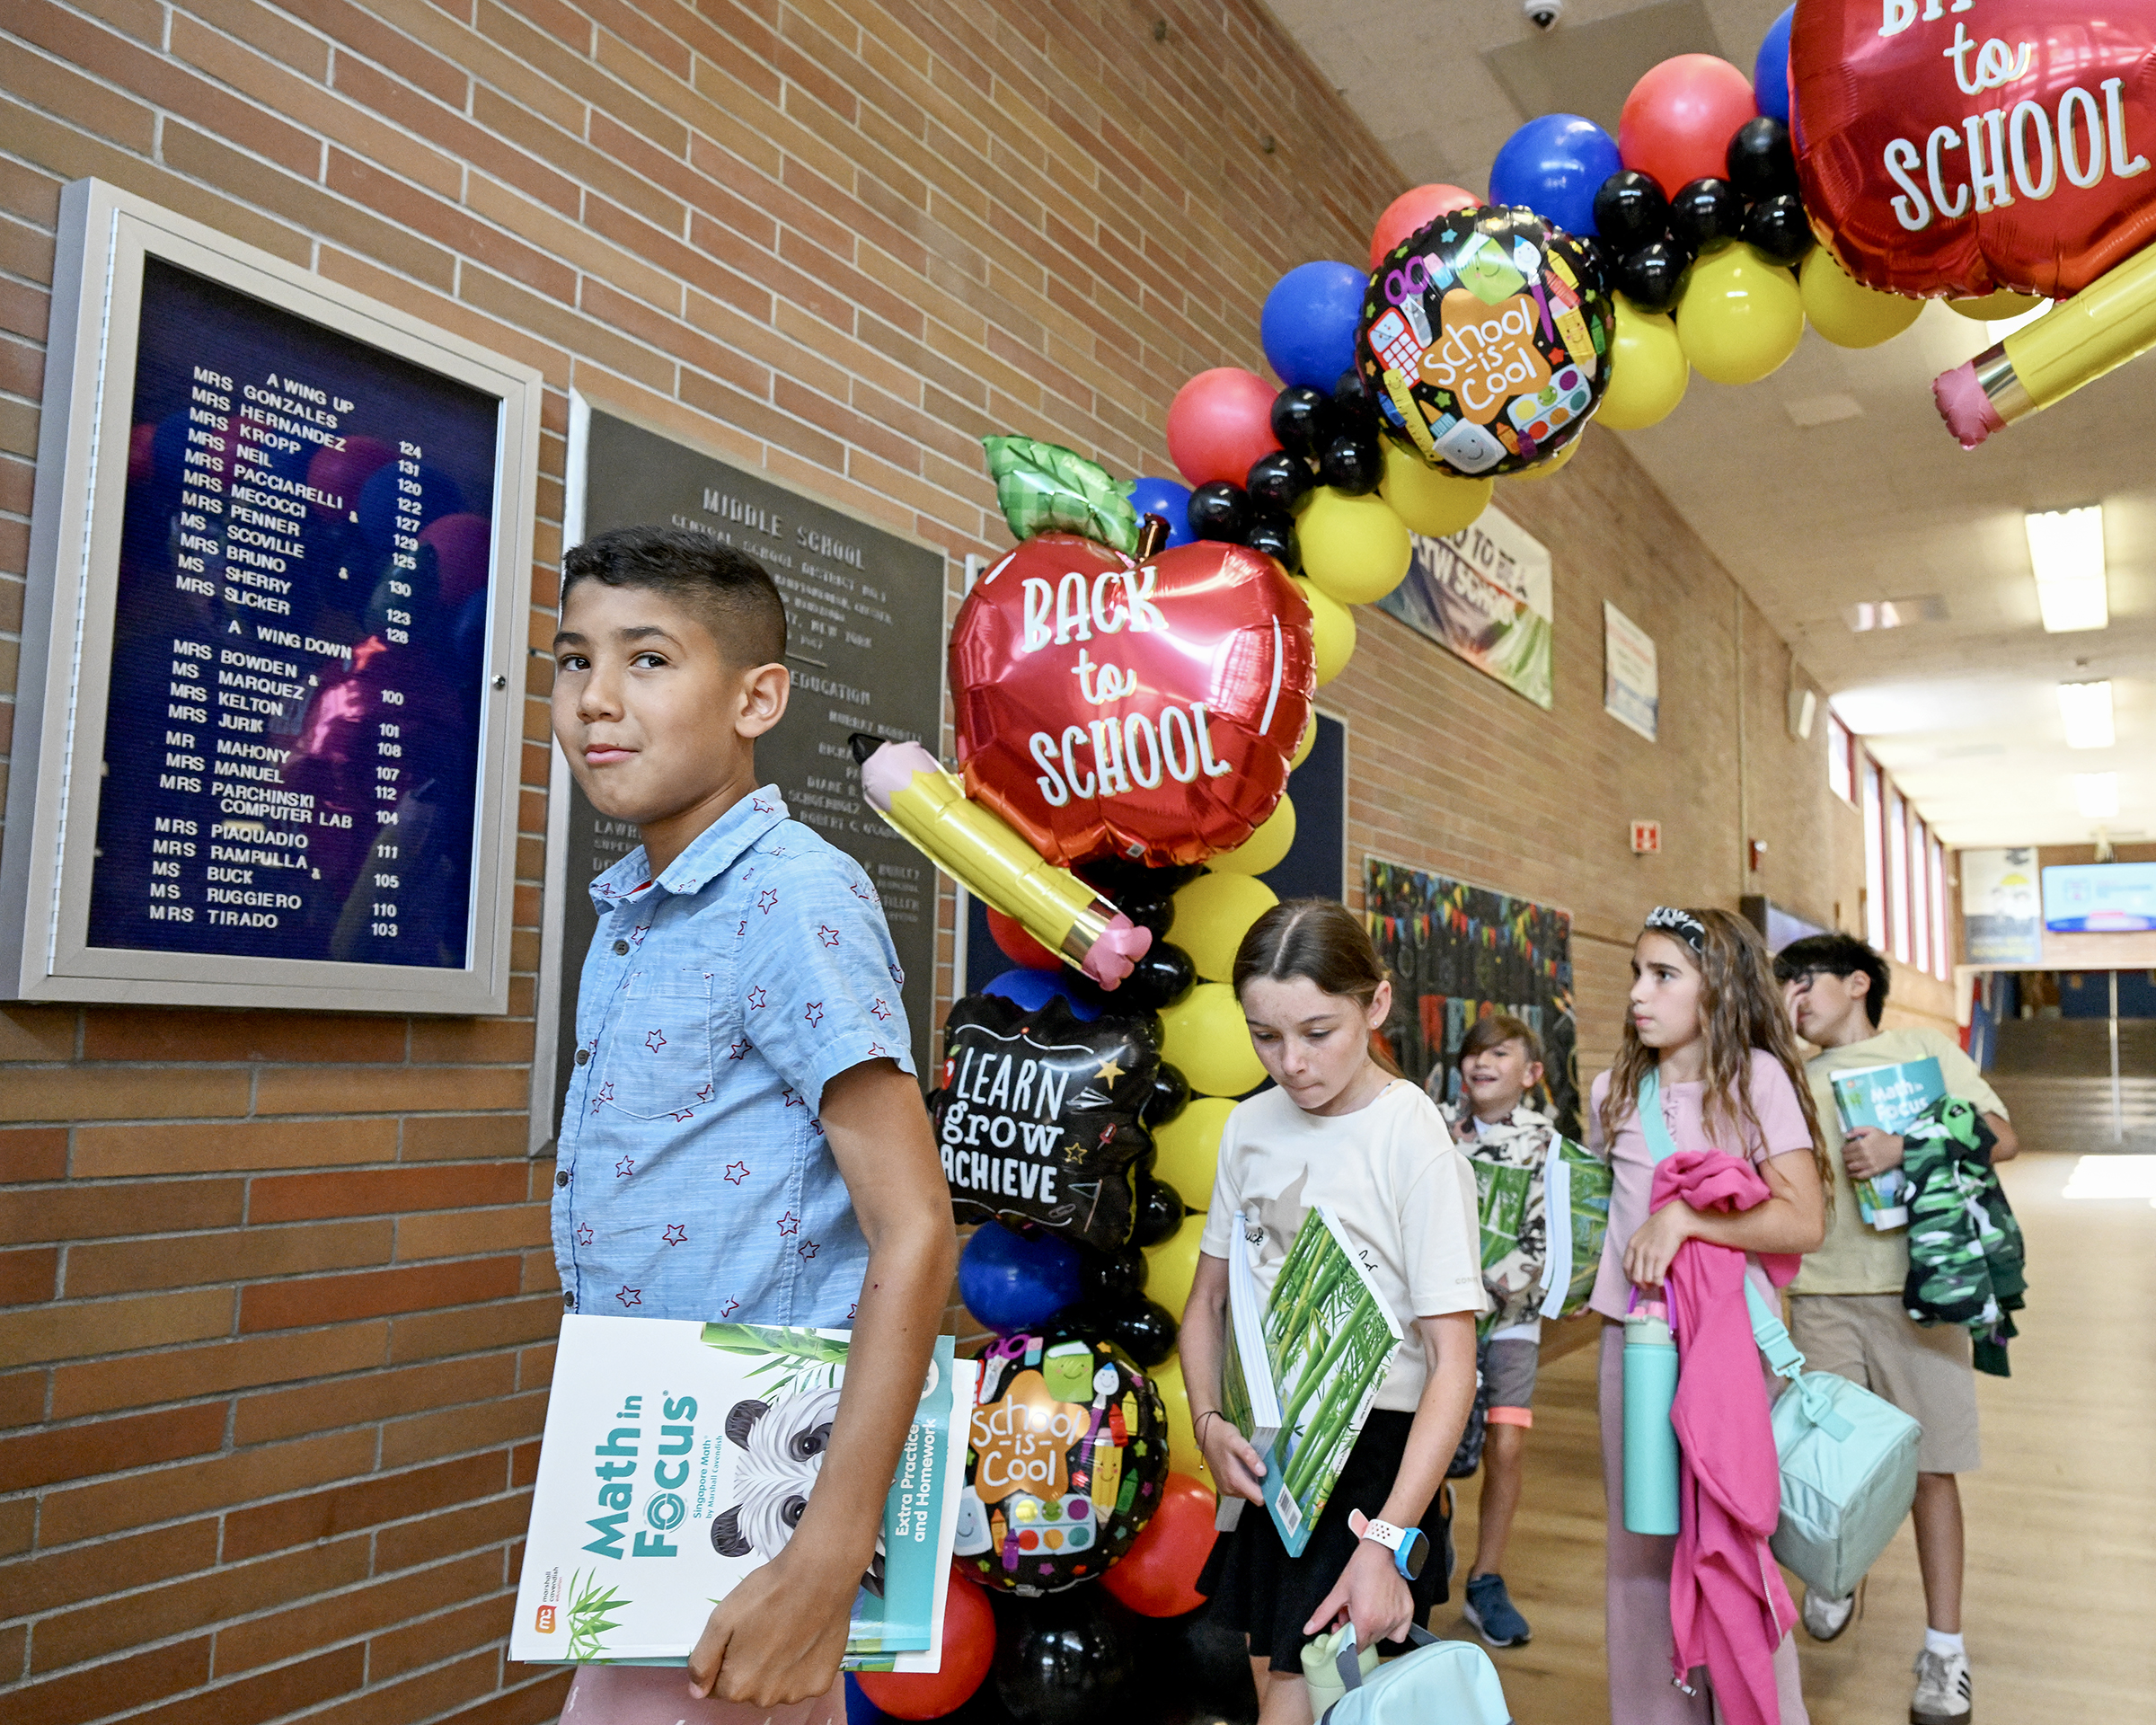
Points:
[(1783, 1357), (1349, 1665), (1660, 1145)]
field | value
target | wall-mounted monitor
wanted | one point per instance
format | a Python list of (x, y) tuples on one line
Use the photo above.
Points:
[(270, 713), (2100, 897)]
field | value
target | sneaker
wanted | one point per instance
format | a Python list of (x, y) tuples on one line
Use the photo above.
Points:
[(1825, 1618), (1489, 1608), (1942, 1689)]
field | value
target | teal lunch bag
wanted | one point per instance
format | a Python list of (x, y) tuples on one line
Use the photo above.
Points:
[(1440, 1683)]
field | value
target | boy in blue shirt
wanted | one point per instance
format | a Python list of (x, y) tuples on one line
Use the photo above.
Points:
[(743, 1138)]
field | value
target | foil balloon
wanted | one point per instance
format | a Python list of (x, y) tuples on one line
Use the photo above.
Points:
[(1037, 1113), (1110, 709), (1483, 341), (1068, 1455), (1953, 153)]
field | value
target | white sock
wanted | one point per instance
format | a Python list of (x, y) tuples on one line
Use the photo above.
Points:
[(1937, 1641)]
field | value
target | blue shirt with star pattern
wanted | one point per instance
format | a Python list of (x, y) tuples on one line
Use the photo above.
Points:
[(716, 1002)]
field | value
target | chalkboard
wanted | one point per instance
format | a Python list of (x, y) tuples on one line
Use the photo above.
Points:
[(864, 624), (269, 758)]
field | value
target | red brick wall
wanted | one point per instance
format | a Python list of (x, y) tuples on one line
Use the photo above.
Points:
[(274, 1345)]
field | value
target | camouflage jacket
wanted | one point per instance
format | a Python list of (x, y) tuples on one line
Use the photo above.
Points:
[(1507, 1160), (1966, 1259)]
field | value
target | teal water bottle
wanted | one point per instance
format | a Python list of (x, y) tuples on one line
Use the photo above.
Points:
[(1650, 1441)]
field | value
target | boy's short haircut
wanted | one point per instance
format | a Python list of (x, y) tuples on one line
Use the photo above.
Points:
[(731, 594), (1495, 1031), (1838, 955)]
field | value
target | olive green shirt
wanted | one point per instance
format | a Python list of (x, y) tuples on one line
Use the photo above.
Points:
[(1855, 1259)]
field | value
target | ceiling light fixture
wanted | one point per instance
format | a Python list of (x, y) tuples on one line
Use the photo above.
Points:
[(2096, 795), (2066, 551), (2086, 709)]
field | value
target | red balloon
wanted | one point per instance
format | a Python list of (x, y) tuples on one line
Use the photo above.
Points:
[(1960, 154), (1106, 710), (968, 1646), (1219, 423), (1412, 210), (1157, 1577), (1679, 119), (1020, 948)]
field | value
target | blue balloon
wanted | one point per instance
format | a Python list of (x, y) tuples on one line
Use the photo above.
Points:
[(1033, 989), (1011, 1283), (1167, 499), (1309, 322), (1554, 166), (860, 1708), (1771, 70)]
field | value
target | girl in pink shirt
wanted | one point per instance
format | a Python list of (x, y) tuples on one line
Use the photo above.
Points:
[(1706, 1018)]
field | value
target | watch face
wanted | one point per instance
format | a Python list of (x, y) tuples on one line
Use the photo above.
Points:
[(1414, 1553)]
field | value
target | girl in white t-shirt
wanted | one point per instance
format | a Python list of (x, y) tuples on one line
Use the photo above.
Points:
[(1341, 1127)]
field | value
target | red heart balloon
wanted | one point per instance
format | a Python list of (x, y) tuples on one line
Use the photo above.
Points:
[(1955, 152), (1106, 709)]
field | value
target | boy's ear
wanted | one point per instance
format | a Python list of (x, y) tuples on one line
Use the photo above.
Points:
[(1858, 983), (1534, 1073), (764, 690)]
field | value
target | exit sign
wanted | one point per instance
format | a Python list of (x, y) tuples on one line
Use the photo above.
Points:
[(1647, 837)]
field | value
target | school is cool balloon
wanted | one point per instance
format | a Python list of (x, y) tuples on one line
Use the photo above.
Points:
[(1068, 1454), (1953, 152), (1110, 710), (1484, 341), (1037, 1116)]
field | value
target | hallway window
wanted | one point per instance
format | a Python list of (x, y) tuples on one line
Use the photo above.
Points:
[(1841, 757), (1941, 966), (1897, 872), (1874, 859), (1920, 894)]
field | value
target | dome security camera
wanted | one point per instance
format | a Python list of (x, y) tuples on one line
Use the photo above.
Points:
[(1543, 14)]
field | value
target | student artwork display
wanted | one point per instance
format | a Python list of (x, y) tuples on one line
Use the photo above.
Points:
[(1460, 952), (2002, 918), (1484, 594)]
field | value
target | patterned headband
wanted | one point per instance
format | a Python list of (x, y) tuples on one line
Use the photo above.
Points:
[(1667, 919)]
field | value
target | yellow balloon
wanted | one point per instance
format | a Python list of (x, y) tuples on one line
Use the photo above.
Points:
[(1543, 469), (1332, 629), (1263, 848), (1353, 547), (1309, 742), (1171, 1265), (1204, 1036), (1996, 307), (1844, 311), (1428, 501), (1741, 316), (1190, 1151), (1648, 371), (1183, 1453), (1211, 915)]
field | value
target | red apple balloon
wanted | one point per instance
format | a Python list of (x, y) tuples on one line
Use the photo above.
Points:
[(1219, 424), (1106, 709), (968, 1647), (1157, 1577), (1413, 211), (1956, 153), (1679, 119)]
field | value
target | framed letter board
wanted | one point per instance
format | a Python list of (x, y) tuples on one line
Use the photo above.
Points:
[(269, 723)]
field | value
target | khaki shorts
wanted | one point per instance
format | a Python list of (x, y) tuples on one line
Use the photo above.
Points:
[(1925, 1371)]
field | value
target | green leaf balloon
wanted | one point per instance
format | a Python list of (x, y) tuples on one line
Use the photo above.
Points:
[(1043, 487)]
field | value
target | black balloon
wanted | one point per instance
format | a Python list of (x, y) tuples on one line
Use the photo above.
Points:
[(1171, 1095), (1118, 878), (1352, 464), (1159, 1212), (1302, 419), (1629, 211), (1161, 979), (1036, 1116), (1356, 408), (1706, 213), (1143, 1329), (1274, 535), (1196, 1668), (1156, 914), (1776, 229), (1217, 511), (1112, 1278), (1651, 277), (1278, 481), (1761, 164), (1062, 1663)]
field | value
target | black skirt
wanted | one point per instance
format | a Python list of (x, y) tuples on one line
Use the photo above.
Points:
[(1258, 1589)]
